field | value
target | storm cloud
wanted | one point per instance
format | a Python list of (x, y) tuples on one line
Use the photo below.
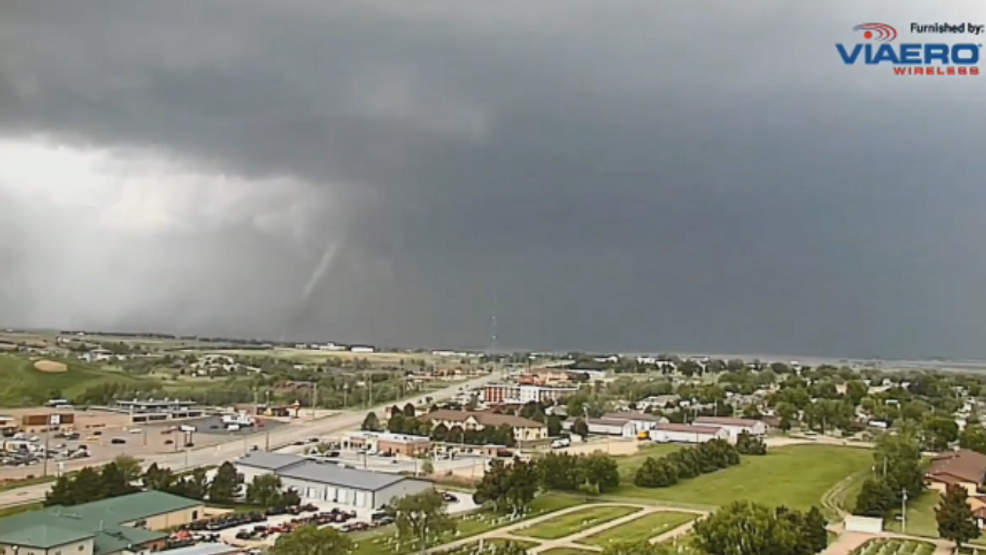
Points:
[(619, 175)]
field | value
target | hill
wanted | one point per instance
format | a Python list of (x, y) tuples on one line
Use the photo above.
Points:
[(22, 384)]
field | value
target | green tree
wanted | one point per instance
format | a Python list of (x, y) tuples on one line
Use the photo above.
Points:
[(875, 499), (371, 423), (113, 483), (265, 490), (508, 548), (939, 432), (129, 466), (973, 437), (743, 528), (955, 519), (554, 425), (312, 540), (60, 492), (422, 518), (225, 483), (580, 428), (898, 459), (427, 468)]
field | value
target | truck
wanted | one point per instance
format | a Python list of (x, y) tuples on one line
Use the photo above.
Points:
[(643, 435)]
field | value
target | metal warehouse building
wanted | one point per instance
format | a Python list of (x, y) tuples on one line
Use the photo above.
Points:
[(325, 481)]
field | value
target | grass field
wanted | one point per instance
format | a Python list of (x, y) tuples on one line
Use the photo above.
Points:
[(22, 385), (567, 551), (643, 528), (630, 463), (796, 476), (382, 540), (567, 524)]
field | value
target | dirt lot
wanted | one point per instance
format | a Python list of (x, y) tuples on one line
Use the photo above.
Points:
[(50, 366)]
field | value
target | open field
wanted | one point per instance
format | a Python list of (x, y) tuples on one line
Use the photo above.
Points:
[(643, 528), (567, 524), (895, 547), (567, 551), (316, 356), (796, 476), (381, 540), (23, 385)]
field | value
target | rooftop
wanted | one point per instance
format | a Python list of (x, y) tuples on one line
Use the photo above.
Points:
[(201, 549), (701, 430), (484, 418), (967, 465), (128, 508), (328, 473), (724, 421), (269, 461)]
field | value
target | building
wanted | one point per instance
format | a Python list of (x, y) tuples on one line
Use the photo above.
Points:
[(593, 375), (523, 428), (735, 426), (610, 427), (964, 467), (148, 410), (327, 481), (385, 442), (640, 421), (127, 524), (203, 549), (686, 433), (498, 393)]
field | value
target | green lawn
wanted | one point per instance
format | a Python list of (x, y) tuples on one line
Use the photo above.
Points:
[(643, 528), (630, 463), (22, 385), (895, 547), (567, 524), (382, 540), (567, 551), (796, 476)]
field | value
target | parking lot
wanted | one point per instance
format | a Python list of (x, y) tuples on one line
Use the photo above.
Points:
[(342, 517)]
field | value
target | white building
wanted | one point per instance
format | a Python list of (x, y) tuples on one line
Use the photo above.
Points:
[(640, 421), (362, 350), (735, 426), (686, 433), (607, 427), (326, 481)]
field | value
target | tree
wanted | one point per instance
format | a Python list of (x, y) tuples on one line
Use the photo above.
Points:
[(427, 468), (312, 540), (744, 528), (113, 483), (265, 490), (973, 437), (409, 410), (876, 499), (129, 466), (580, 428), (225, 483), (554, 425), (509, 548), (954, 515), (898, 459), (815, 531), (747, 444), (422, 518), (371, 423), (939, 432)]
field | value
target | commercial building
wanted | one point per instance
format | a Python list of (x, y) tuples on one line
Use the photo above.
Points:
[(639, 421), (735, 426), (148, 410), (608, 427), (525, 393), (127, 524), (524, 429), (686, 433), (327, 481), (384, 442)]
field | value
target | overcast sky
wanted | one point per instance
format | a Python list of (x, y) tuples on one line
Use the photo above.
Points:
[(646, 175)]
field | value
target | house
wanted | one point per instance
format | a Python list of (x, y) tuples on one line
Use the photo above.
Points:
[(524, 429), (964, 467), (735, 426), (385, 442), (328, 481), (686, 433), (120, 525)]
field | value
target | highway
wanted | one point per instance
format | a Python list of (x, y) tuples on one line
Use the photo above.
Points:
[(280, 437)]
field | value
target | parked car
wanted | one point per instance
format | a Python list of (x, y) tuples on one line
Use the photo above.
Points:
[(118, 441)]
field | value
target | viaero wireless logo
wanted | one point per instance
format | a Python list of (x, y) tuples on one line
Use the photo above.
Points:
[(878, 49)]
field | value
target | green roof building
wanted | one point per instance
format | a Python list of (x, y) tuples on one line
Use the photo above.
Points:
[(110, 526)]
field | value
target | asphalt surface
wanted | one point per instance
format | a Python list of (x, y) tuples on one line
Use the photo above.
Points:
[(219, 453)]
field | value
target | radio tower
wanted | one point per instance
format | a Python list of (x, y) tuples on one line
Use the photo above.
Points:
[(492, 348)]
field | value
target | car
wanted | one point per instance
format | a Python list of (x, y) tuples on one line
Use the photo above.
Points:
[(299, 442), (135, 430), (118, 441), (448, 497), (189, 445), (169, 442), (255, 448), (97, 432), (313, 440)]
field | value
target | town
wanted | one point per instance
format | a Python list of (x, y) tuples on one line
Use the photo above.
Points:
[(566, 454)]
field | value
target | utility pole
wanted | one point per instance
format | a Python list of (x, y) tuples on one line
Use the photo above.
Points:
[(45, 458), (314, 398), (267, 448), (903, 511)]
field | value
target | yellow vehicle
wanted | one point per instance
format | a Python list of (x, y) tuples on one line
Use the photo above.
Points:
[(643, 435), (92, 438)]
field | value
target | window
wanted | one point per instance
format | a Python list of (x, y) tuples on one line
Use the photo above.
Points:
[(82, 548)]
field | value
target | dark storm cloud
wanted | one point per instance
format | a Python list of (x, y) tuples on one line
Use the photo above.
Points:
[(602, 175)]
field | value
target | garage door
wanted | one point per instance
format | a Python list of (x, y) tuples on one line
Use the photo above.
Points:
[(330, 494), (360, 499), (344, 497), (311, 493)]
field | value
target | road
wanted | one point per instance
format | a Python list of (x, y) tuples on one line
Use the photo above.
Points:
[(217, 454)]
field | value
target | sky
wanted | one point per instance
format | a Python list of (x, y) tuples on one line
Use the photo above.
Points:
[(644, 175)]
